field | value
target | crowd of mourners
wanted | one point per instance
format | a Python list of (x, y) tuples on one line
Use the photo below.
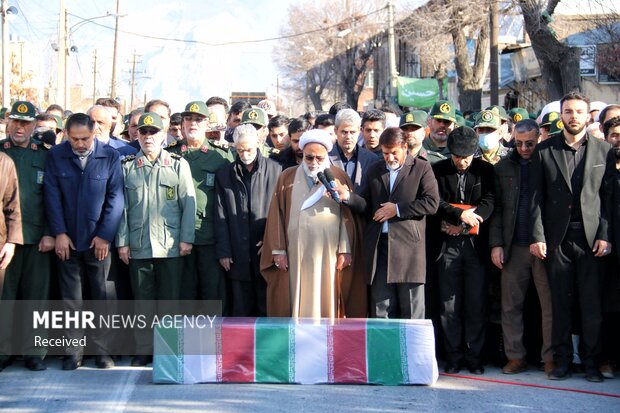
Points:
[(502, 226)]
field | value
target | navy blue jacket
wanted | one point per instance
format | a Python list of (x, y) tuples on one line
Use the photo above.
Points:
[(87, 203)]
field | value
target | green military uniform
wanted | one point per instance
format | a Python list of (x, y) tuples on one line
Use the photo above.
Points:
[(491, 119), (204, 278), (28, 274), (160, 206), (434, 153)]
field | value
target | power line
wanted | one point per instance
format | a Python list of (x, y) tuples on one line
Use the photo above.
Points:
[(269, 39)]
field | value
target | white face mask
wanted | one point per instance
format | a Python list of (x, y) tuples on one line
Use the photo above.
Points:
[(488, 141)]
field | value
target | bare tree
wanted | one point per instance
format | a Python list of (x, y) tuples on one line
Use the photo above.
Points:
[(559, 63), (330, 48), (441, 23)]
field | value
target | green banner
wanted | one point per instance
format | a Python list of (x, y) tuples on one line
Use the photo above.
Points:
[(419, 93)]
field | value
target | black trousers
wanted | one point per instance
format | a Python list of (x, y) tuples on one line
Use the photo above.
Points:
[(396, 300), (462, 291), (83, 275), (575, 280)]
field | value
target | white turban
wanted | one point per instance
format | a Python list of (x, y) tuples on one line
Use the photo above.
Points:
[(316, 136)]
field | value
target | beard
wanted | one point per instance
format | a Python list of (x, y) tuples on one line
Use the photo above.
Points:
[(314, 172), (617, 152), (574, 131)]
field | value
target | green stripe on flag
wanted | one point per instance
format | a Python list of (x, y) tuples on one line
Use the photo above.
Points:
[(383, 349), (168, 356), (272, 355)]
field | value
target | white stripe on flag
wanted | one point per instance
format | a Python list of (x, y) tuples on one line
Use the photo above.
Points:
[(310, 352), (422, 364), (200, 362)]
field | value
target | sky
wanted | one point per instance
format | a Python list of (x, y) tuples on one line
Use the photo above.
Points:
[(176, 71)]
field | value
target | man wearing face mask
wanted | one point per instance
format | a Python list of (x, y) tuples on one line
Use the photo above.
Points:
[(203, 276), (243, 192), (310, 242), (488, 128)]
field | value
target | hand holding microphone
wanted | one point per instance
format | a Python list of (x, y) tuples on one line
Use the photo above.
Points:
[(327, 179)]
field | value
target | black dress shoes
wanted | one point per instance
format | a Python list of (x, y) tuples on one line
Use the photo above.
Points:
[(452, 368), (104, 362), (72, 362), (35, 364), (141, 361)]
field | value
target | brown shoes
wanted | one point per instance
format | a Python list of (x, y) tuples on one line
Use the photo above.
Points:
[(548, 367), (515, 366)]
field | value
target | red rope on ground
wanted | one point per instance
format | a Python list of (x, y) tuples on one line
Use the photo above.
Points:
[(540, 386)]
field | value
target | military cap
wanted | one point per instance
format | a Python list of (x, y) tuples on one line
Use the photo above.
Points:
[(463, 141), (268, 106), (215, 123), (488, 119), (548, 118), (23, 110), (518, 114), (197, 107), (443, 109), (415, 117), (499, 111), (59, 124), (150, 119), (556, 127), (255, 116), (460, 120)]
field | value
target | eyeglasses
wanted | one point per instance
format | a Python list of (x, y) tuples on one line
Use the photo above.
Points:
[(528, 144), (310, 158), (197, 119), (148, 131)]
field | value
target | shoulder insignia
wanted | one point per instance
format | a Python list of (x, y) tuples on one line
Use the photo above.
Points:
[(170, 145), (34, 146), (183, 148), (175, 156), (275, 151), (204, 149), (47, 146), (128, 158), (7, 145), (221, 145)]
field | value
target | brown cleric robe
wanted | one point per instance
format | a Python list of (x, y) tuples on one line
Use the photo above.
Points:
[(343, 293)]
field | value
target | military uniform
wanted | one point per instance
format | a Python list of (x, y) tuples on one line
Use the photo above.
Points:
[(28, 274), (434, 153), (203, 276)]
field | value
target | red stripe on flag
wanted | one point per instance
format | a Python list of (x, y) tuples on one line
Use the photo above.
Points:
[(350, 351), (238, 350)]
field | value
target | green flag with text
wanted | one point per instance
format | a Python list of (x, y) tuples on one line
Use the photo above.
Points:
[(419, 93)]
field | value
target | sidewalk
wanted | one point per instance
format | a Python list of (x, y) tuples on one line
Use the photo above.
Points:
[(130, 389)]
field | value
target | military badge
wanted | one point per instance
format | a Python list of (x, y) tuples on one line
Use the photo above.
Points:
[(553, 116), (34, 146), (22, 108), (210, 179), (170, 193), (148, 120), (253, 115), (40, 175), (444, 108), (204, 149), (517, 117), (194, 108), (486, 116), (409, 117)]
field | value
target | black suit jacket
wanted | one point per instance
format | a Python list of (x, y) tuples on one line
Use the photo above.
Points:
[(365, 158), (415, 193), (552, 197), (479, 192)]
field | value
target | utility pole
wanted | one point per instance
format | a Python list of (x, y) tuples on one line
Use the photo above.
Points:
[(392, 52), (62, 54), (494, 61), (133, 77), (95, 77), (6, 77), (113, 86)]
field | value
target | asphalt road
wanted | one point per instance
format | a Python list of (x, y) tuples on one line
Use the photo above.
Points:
[(131, 389)]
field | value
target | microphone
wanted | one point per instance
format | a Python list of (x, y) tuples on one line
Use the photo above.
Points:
[(327, 179)]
